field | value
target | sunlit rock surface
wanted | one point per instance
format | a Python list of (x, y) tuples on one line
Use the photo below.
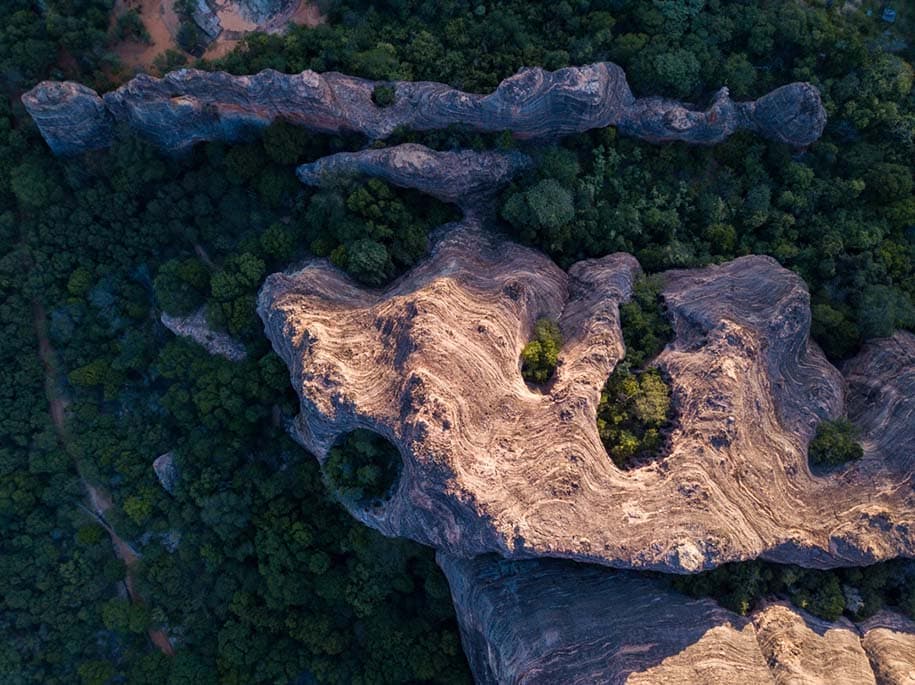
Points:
[(546, 621), (188, 106), (492, 465)]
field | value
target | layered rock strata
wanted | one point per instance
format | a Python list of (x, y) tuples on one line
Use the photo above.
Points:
[(188, 106), (545, 621), (493, 465), (463, 178)]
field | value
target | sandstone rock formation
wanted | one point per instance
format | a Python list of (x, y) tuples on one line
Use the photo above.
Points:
[(801, 648), (889, 640), (188, 106), (546, 621), (549, 622), (491, 465), (195, 327), (460, 177)]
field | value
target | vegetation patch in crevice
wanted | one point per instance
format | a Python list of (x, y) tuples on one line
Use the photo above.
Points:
[(855, 592), (363, 467), (540, 356), (835, 443), (636, 412)]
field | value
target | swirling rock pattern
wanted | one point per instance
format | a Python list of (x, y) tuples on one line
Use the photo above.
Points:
[(188, 106), (491, 465), (889, 640), (546, 621), (463, 178)]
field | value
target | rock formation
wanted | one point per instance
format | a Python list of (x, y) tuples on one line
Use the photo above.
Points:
[(166, 471), (889, 640), (546, 621), (188, 106), (195, 327), (460, 177), (490, 465)]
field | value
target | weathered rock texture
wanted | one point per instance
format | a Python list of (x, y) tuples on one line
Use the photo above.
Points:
[(195, 327), (490, 465), (881, 382), (801, 648), (166, 471), (463, 178), (889, 640), (547, 621), (188, 106)]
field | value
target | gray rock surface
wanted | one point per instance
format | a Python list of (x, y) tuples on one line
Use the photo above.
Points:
[(490, 465), (195, 327), (188, 106), (463, 178), (546, 621), (166, 471)]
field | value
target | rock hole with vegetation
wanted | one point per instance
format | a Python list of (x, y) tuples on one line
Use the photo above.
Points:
[(635, 411), (363, 467), (540, 356), (835, 443), (383, 96)]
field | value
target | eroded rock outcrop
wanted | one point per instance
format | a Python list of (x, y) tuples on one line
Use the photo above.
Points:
[(490, 465), (547, 621), (463, 178), (188, 106), (195, 328), (801, 648), (889, 640)]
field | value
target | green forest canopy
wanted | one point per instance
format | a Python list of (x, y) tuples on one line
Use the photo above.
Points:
[(269, 580)]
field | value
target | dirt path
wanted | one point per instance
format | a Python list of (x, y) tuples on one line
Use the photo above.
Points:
[(99, 500)]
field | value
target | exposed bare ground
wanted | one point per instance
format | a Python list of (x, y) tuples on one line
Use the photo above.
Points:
[(99, 500), (162, 23)]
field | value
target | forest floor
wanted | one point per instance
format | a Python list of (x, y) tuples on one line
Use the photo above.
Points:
[(162, 24), (99, 500)]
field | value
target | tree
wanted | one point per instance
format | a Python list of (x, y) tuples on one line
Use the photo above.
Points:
[(363, 467), (835, 443), (541, 355)]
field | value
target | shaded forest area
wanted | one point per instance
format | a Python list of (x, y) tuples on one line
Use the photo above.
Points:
[(251, 569)]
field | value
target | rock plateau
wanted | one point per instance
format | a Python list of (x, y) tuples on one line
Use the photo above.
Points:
[(492, 465)]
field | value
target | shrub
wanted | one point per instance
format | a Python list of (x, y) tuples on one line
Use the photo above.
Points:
[(383, 96), (540, 356), (363, 467), (836, 442)]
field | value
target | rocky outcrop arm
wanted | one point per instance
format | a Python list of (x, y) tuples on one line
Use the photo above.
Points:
[(188, 106)]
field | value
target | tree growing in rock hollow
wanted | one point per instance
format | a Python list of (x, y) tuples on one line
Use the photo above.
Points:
[(835, 443), (541, 355), (363, 467)]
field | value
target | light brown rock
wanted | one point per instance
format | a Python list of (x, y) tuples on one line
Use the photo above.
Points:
[(492, 465), (804, 650)]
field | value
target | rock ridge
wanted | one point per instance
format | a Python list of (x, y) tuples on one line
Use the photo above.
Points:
[(545, 621), (188, 106)]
